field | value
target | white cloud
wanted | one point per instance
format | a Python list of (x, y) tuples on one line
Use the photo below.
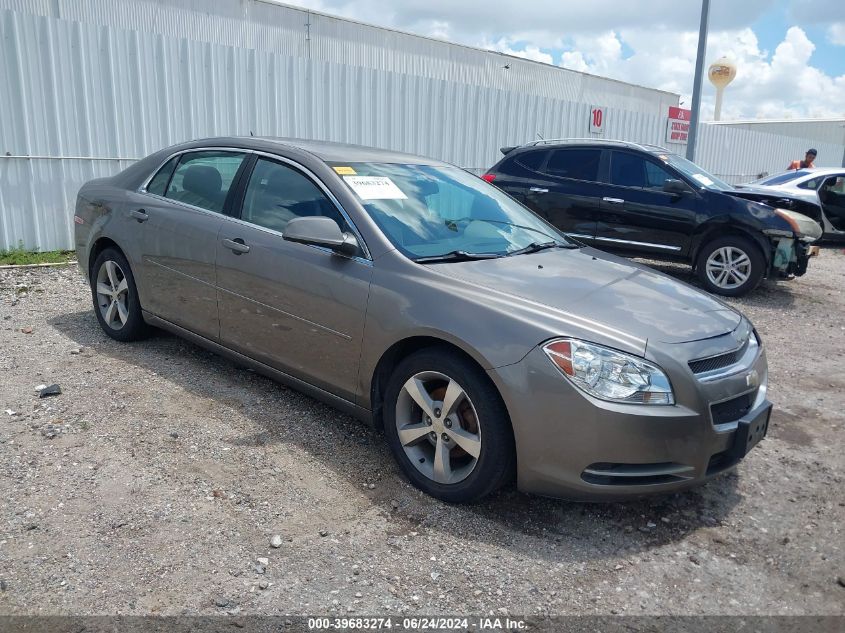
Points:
[(836, 34), (652, 44), (528, 51)]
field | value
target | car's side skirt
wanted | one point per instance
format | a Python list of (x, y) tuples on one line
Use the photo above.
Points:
[(350, 408)]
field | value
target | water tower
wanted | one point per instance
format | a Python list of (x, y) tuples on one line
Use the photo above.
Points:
[(721, 73)]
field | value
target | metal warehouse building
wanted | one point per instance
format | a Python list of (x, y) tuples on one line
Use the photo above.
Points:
[(88, 86)]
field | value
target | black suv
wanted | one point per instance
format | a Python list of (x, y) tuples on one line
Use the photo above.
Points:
[(644, 201)]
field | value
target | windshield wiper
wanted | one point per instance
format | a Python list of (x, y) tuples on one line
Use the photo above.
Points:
[(533, 247), (455, 256)]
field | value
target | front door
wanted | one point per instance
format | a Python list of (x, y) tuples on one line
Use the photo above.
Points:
[(832, 198), (179, 217), (297, 308), (637, 215)]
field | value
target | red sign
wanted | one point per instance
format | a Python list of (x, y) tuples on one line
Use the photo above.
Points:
[(679, 113), (597, 118), (677, 129)]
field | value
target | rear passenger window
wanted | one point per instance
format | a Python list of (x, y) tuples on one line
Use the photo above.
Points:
[(203, 179), (159, 182), (579, 164), (532, 160), (278, 193)]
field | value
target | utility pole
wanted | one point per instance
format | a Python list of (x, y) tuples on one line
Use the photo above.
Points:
[(696, 88)]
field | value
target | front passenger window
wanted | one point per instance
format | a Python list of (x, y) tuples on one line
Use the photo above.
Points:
[(278, 193), (203, 179), (627, 170)]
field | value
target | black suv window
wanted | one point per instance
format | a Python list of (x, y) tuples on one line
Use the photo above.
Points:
[(532, 160), (580, 164), (630, 170)]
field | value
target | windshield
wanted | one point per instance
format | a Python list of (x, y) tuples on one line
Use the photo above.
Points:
[(431, 211), (695, 173), (779, 179)]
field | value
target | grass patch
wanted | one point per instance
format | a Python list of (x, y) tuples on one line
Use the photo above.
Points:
[(20, 256)]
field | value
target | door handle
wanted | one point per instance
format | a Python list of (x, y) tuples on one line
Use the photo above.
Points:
[(614, 200), (538, 190), (236, 245), (140, 215)]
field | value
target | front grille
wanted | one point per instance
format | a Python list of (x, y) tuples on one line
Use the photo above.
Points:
[(732, 410), (717, 362)]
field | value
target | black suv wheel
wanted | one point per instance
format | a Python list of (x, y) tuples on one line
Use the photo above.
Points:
[(730, 266)]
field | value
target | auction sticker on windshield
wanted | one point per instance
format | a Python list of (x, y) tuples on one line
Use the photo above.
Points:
[(375, 188), (704, 180)]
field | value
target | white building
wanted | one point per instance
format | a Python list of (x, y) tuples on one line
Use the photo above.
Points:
[(87, 87)]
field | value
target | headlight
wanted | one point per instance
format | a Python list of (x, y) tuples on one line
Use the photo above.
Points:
[(608, 374)]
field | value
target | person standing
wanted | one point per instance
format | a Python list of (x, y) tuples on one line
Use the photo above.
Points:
[(808, 162)]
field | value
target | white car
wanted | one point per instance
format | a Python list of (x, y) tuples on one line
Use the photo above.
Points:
[(818, 193)]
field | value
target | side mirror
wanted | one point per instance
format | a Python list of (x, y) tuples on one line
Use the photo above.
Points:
[(321, 231), (678, 187)]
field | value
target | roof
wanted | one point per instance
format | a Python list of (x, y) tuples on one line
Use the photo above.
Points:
[(645, 147), (810, 172), (326, 151), (329, 151)]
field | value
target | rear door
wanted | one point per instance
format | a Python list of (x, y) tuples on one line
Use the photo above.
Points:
[(566, 192), (178, 217), (518, 172), (294, 307), (636, 215)]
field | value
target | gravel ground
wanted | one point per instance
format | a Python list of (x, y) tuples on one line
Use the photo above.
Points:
[(155, 482)]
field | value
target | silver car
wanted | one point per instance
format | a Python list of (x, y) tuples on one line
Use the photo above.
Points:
[(818, 193), (405, 291)]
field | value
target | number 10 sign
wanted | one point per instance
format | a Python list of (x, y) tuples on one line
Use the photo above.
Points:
[(597, 117)]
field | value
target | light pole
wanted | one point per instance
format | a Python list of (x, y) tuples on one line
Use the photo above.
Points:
[(696, 87)]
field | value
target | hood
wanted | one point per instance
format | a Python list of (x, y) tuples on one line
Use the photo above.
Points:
[(763, 192), (598, 287)]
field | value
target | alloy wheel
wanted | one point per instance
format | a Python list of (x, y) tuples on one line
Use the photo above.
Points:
[(438, 427), (728, 267), (113, 294)]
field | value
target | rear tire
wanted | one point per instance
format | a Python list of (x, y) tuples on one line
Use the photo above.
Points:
[(730, 266), (115, 297), (467, 450)]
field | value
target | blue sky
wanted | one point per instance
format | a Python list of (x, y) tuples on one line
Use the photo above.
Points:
[(790, 53)]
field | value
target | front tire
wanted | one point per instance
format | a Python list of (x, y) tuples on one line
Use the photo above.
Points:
[(115, 297), (730, 266), (447, 426)]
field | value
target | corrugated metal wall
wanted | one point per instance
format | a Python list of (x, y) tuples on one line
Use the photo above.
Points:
[(738, 154), (89, 86)]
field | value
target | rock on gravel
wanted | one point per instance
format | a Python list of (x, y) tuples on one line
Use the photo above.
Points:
[(127, 518)]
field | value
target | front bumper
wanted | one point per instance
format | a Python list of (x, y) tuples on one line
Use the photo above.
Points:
[(791, 257), (573, 446)]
